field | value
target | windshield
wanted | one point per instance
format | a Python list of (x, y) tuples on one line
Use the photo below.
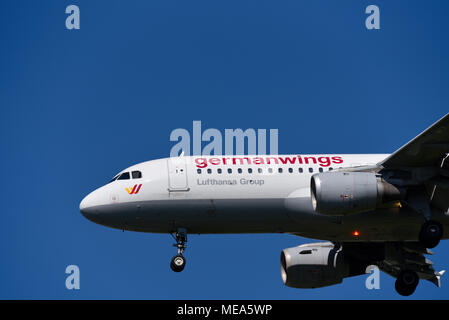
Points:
[(127, 176), (124, 176), (137, 174)]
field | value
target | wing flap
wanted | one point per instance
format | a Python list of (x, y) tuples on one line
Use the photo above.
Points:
[(410, 256)]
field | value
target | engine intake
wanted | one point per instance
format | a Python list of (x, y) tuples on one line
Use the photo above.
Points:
[(313, 265), (342, 193)]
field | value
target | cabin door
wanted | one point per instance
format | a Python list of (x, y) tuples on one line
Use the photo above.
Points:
[(177, 174)]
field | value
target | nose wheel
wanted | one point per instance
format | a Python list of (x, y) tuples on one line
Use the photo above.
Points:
[(178, 262)]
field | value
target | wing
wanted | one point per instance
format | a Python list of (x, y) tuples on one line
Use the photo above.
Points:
[(425, 158), (428, 149), (392, 258), (421, 167), (410, 256)]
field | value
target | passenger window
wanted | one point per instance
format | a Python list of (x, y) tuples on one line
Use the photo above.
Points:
[(259, 170), (320, 169), (310, 170), (198, 171), (250, 170), (229, 170), (219, 170), (136, 174), (209, 171), (124, 176), (239, 170), (290, 170), (300, 170), (280, 170), (330, 168), (270, 170)]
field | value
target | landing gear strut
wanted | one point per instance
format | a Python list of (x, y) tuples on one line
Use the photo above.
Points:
[(406, 282), (178, 262), (430, 234), (431, 231)]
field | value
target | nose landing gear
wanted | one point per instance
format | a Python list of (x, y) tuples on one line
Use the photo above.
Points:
[(178, 262)]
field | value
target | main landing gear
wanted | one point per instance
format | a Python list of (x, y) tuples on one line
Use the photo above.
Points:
[(429, 237), (430, 234), (431, 231), (178, 262), (406, 282)]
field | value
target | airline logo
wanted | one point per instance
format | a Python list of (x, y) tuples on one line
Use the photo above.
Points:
[(135, 189), (323, 161)]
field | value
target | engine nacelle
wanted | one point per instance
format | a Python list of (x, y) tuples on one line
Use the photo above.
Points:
[(342, 193), (313, 265)]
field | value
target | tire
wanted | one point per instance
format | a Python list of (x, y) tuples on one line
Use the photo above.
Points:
[(406, 282), (178, 263), (430, 234)]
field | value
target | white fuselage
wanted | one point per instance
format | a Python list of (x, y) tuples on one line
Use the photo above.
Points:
[(238, 194)]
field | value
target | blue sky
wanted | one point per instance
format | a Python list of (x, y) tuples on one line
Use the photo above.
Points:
[(77, 106)]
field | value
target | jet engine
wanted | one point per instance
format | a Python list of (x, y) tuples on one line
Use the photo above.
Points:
[(313, 265), (342, 193)]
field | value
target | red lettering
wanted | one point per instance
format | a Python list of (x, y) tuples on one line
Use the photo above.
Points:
[(275, 160), (287, 159), (214, 161), (234, 160), (337, 160), (306, 159), (201, 162), (324, 163)]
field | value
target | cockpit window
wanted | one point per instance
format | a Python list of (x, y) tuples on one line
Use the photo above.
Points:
[(137, 174), (124, 176)]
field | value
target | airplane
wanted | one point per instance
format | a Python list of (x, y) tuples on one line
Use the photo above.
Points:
[(386, 210)]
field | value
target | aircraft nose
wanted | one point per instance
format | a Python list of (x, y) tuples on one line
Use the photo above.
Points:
[(87, 205), (95, 206)]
